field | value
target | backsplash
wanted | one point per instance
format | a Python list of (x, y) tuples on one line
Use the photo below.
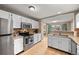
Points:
[(31, 31)]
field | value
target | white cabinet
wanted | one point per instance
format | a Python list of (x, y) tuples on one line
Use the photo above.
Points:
[(4, 14), (18, 45), (62, 43), (66, 45), (74, 47), (55, 42), (16, 21), (35, 24), (49, 41), (59, 42), (37, 38), (26, 20)]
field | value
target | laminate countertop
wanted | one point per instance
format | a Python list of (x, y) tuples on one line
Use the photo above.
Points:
[(76, 39), (17, 37)]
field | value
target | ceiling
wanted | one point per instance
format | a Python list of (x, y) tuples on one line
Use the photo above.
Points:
[(59, 19), (42, 10)]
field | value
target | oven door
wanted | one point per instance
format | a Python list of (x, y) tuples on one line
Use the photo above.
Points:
[(28, 43), (31, 40), (26, 40)]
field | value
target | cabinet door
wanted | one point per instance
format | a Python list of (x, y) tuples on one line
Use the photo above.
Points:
[(65, 45), (73, 47), (54, 42), (26, 20), (35, 38), (16, 21), (49, 42), (60, 43), (18, 45), (35, 24), (23, 19), (4, 14), (39, 37)]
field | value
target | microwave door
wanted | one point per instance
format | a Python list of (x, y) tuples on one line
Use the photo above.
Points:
[(26, 25)]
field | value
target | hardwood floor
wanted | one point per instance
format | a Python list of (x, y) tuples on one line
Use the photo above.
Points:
[(41, 48)]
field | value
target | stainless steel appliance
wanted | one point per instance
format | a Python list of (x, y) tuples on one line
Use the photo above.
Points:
[(26, 25), (28, 42), (6, 41)]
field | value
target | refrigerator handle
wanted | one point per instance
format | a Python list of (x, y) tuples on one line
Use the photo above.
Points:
[(5, 35)]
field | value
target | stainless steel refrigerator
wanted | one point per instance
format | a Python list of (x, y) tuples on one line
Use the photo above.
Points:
[(6, 41)]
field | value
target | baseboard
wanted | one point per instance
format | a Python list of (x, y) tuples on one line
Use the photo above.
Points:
[(60, 50)]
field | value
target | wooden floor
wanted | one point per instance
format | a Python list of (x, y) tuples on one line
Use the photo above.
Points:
[(41, 48)]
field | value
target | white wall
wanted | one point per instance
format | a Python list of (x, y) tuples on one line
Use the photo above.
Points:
[(43, 28), (73, 24), (77, 20)]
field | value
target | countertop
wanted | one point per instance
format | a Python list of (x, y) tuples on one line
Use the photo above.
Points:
[(17, 37), (75, 39)]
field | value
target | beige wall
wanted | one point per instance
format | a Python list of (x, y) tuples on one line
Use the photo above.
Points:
[(73, 24), (43, 28)]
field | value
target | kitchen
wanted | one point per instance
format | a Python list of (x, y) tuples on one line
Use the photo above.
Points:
[(19, 32), (23, 29)]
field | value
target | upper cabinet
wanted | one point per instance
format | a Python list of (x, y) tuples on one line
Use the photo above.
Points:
[(77, 20), (16, 21), (26, 20), (4, 14), (35, 24)]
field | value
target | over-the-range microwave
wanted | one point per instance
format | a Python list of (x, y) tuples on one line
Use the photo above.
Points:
[(26, 25)]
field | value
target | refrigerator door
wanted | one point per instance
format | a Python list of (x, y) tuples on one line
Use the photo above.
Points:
[(5, 26), (6, 41), (6, 45)]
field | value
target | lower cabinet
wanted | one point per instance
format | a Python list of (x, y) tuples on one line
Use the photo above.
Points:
[(63, 43), (66, 44), (18, 45), (73, 47), (37, 37)]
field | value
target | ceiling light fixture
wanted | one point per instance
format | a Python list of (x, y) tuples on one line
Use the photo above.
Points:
[(58, 12), (32, 8), (54, 21)]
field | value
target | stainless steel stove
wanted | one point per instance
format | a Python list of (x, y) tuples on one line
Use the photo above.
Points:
[(28, 42)]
